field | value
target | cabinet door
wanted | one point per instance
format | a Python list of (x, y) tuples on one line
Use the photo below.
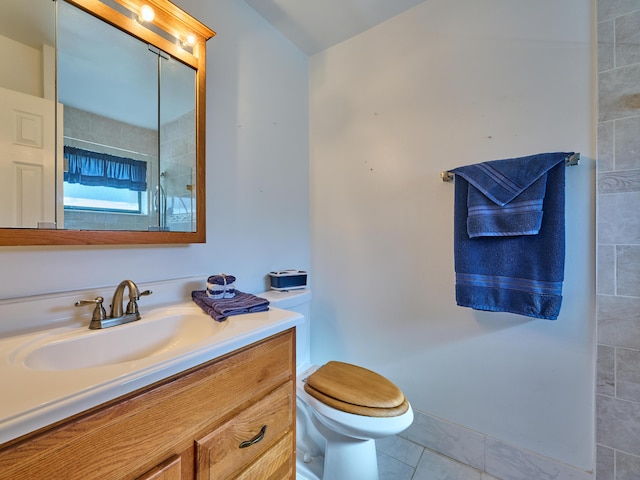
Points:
[(237, 443), (169, 470)]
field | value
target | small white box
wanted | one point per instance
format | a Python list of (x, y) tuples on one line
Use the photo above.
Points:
[(288, 279)]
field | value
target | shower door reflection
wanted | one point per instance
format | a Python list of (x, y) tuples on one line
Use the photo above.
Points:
[(130, 118)]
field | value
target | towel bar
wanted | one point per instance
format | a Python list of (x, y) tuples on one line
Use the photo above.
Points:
[(572, 160)]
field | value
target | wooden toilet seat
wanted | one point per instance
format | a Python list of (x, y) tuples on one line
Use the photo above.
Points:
[(356, 390)]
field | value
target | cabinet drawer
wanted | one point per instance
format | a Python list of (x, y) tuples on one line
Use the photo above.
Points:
[(275, 464), (219, 454)]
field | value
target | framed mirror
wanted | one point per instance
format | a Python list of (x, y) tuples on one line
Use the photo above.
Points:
[(124, 161)]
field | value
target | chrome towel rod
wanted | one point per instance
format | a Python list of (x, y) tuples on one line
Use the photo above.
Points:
[(447, 176)]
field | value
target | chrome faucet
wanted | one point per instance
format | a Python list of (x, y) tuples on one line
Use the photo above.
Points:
[(117, 302), (116, 316)]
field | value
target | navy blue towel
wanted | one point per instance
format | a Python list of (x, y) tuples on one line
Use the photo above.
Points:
[(509, 241), (223, 308)]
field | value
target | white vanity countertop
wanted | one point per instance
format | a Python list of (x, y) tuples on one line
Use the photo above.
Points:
[(34, 398)]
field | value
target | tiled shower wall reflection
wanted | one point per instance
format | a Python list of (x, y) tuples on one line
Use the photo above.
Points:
[(618, 383)]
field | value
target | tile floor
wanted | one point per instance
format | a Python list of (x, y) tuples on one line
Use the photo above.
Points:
[(435, 449), (401, 459)]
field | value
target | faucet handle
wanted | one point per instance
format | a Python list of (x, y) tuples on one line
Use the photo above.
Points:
[(132, 306), (99, 313)]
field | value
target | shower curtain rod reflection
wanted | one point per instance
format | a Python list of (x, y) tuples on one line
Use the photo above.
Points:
[(108, 146), (572, 160)]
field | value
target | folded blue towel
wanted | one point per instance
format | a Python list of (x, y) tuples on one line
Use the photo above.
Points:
[(505, 196), (521, 216), (223, 308), (509, 246)]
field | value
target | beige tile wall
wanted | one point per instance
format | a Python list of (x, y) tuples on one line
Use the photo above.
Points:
[(618, 230)]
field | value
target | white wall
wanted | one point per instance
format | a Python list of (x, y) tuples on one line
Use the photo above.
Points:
[(257, 174), (442, 85), (25, 74)]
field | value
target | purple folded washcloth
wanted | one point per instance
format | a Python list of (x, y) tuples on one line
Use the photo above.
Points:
[(220, 309)]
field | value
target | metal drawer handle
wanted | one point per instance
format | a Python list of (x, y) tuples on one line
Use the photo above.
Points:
[(256, 439)]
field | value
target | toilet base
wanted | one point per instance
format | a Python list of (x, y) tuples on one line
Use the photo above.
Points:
[(357, 459), (324, 454), (352, 458), (347, 458)]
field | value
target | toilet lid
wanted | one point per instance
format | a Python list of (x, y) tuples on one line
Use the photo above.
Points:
[(356, 390)]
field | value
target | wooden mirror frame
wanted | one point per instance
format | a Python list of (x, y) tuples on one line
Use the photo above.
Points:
[(176, 22)]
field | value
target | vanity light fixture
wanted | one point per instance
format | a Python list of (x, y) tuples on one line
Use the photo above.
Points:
[(146, 14), (189, 40)]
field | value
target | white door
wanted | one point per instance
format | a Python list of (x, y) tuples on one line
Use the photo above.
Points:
[(27, 160)]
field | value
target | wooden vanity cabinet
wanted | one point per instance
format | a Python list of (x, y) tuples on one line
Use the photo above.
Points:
[(169, 470), (187, 427)]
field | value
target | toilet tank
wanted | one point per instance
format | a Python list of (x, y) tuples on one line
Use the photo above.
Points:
[(298, 301)]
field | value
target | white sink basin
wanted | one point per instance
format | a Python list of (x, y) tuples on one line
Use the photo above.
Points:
[(165, 331)]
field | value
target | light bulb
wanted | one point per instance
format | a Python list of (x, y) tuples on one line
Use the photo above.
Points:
[(190, 40), (146, 13)]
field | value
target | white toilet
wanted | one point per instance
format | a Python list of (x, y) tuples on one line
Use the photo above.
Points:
[(340, 408)]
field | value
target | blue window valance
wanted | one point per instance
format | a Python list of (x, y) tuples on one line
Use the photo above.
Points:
[(104, 170)]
